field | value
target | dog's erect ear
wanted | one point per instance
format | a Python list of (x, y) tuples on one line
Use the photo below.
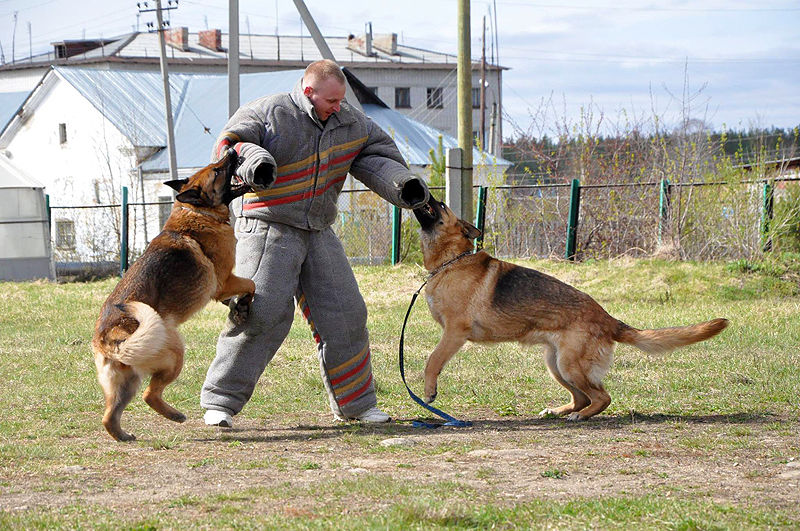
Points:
[(231, 160), (470, 231), (177, 184), (191, 196)]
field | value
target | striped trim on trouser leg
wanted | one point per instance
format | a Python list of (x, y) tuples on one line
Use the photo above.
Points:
[(347, 381), (339, 316)]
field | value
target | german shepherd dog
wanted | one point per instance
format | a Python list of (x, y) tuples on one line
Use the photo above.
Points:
[(479, 298), (186, 265)]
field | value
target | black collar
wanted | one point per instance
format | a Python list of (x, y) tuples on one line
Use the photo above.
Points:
[(207, 213), (449, 262)]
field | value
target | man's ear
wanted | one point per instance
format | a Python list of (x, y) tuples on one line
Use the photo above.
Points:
[(308, 90), (177, 184), (470, 231), (191, 197)]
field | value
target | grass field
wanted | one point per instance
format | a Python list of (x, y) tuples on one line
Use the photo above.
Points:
[(706, 437)]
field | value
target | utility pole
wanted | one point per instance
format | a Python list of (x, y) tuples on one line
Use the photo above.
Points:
[(160, 28), (464, 72), (497, 108), (482, 133), (233, 56)]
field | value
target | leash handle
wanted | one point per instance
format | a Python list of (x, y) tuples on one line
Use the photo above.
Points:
[(451, 421)]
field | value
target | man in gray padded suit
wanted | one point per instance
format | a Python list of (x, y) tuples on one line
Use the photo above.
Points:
[(296, 150)]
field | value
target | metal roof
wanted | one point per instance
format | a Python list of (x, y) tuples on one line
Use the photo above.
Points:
[(133, 102), (283, 48), (10, 103)]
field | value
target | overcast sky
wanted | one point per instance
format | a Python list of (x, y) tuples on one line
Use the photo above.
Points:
[(729, 63)]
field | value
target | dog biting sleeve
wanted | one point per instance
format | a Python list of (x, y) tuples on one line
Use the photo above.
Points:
[(257, 167), (244, 132)]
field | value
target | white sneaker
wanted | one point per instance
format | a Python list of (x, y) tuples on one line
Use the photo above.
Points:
[(371, 416), (214, 417)]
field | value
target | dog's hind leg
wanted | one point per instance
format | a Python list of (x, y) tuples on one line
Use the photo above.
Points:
[(173, 352), (585, 371), (120, 383), (579, 399)]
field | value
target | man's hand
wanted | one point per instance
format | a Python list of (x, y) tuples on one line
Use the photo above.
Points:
[(239, 308), (263, 175)]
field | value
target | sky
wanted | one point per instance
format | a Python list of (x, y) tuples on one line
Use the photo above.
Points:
[(592, 66)]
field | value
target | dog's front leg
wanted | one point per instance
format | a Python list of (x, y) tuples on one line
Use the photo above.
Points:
[(237, 294), (451, 341)]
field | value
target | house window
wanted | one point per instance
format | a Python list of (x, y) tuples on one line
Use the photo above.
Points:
[(435, 98), (374, 90), (164, 208), (476, 98), (62, 133), (402, 97), (65, 234), (61, 51)]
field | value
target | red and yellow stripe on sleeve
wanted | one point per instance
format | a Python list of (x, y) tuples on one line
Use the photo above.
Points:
[(295, 181)]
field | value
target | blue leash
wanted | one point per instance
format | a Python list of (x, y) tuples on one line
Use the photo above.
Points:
[(451, 421)]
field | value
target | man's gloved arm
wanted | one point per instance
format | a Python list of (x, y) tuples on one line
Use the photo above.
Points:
[(256, 166), (381, 167)]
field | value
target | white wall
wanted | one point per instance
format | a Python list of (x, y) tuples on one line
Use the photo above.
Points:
[(88, 169)]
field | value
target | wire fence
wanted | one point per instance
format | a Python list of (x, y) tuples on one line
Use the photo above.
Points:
[(699, 221)]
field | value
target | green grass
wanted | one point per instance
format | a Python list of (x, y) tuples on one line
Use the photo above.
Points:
[(730, 399)]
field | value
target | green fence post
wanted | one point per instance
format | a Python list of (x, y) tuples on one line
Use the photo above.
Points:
[(123, 244), (397, 221), (663, 210), (572, 223), (766, 216), (480, 216)]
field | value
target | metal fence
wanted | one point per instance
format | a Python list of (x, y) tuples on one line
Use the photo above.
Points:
[(696, 221)]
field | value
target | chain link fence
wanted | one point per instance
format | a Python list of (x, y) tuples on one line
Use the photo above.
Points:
[(707, 221)]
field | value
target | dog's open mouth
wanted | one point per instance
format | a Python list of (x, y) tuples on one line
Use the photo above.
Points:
[(426, 214)]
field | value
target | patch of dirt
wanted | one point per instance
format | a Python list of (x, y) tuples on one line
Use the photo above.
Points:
[(512, 459)]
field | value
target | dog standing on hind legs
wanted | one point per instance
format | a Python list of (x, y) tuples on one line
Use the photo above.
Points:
[(478, 298), (189, 263)]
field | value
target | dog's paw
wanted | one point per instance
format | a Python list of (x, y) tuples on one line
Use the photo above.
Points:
[(430, 398), (177, 417), (240, 308), (576, 417), (548, 413), (125, 437)]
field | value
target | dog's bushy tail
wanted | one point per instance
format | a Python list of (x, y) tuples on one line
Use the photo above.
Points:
[(146, 341), (663, 340)]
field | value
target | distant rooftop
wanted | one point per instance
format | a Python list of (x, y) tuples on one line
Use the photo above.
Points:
[(211, 47)]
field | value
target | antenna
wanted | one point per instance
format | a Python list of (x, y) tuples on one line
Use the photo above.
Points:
[(249, 36), (277, 35), (14, 38)]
